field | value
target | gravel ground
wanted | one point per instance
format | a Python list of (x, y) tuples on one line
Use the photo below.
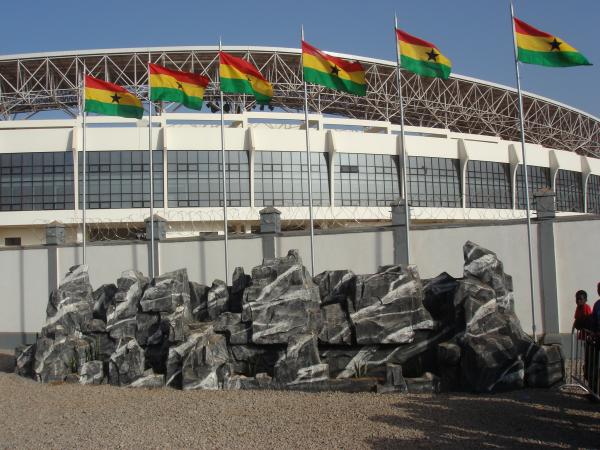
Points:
[(33, 415)]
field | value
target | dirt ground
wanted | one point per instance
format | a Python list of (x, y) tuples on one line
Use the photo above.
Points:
[(33, 415)]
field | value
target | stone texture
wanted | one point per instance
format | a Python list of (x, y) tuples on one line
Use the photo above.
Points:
[(336, 286), (199, 301), (217, 301), (231, 325), (282, 301), (104, 297), (92, 372), (239, 282), (439, 295), (390, 307), (250, 360), (126, 364), (168, 292), (178, 354), (146, 324), (121, 317), (301, 362), (394, 380), (149, 380), (54, 360), (24, 360), (71, 304), (205, 365), (335, 328), (546, 366)]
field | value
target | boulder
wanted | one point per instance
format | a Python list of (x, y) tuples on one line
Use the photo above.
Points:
[(336, 328), (168, 292), (335, 286), (301, 362), (178, 328), (71, 304), (438, 297), (282, 301), (217, 300), (92, 372), (104, 297), (390, 307), (237, 332), (149, 380), (239, 282), (121, 317), (157, 347), (126, 364), (546, 366), (205, 365), (145, 326), (250, 360), (199, 301), (24, 360), (54, 360), (240, 382)]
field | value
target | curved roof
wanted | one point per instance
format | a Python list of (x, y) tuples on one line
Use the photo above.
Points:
[(48, 81)]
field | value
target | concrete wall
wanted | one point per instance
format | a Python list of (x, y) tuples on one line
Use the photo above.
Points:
[(28, 273)]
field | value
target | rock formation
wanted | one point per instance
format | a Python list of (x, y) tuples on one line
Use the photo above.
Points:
[(279, 328)]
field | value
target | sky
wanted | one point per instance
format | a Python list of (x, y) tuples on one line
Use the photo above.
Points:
[(474, 34)]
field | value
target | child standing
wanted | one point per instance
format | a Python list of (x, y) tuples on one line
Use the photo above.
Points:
[(582, 311)]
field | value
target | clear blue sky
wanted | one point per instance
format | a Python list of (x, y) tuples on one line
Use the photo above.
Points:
[(475, 34)]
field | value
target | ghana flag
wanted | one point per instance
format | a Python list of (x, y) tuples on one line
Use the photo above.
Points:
[(538, 47), (422, 57), (332, 72), (239, 76), (179, 87), (111, 99)]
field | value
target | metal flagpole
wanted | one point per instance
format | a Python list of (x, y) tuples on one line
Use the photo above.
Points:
[(224, 175), (83, 164), (404, 156), (150, 107), (310, 199), (524, 153)]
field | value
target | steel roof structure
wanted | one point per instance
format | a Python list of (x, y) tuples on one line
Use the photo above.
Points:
[(35, 82)]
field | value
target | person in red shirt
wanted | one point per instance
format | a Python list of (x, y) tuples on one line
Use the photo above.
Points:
[(582, 312)]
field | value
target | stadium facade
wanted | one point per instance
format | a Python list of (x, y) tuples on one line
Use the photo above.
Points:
[(464, 158)]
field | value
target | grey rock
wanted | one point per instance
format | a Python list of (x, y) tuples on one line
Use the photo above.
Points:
[(178, 328), (336, 286), (92, 372), (121, 317), (239, 282), (231, 324), (71, 305), (24, 360), (54, 360), (395, 307), (448, 354), (240, 382), (126, 364), (104, 297), (146, 324), (546, 366), (394, 380), (439, 295), (101, 345), (149, 380), (94, 326), (199, 301), (301, 361), (428, 383), (178, 354), (336, 328), (282, 301), (217, 299), (250, 360), (168, 292), (206, 363)]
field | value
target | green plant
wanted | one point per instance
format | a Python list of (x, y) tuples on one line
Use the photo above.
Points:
[(360, 369)]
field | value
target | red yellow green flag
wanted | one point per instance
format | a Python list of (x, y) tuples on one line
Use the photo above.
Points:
[(332, 72), (110, 99), (422, 57), (179, 87), (239, 76), (538, 47)]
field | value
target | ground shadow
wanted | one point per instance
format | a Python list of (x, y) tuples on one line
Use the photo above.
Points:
[(522, 419)]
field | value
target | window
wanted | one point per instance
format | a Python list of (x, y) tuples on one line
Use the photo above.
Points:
[(538, 178), (36, 181), (434, 182), (488, 185), (366, 179), (195, 178), (593, 194), (121, 179), (569, 191), (10, 241), (281, 179)]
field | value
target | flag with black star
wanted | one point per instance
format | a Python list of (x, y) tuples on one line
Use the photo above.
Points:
[(422, 57), (109, 99)]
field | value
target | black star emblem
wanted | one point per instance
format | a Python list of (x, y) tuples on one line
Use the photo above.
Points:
[(115, 98), (555, 45), (432, 55), (249, 79), (335, 71), (180, 86)]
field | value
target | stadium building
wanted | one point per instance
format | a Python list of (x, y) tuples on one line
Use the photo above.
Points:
[(462, 145)]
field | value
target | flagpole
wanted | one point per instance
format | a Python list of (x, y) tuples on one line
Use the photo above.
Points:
[(524, 153), (310, 199), (150, 106), (83, 164), (224, 174), (404, 156)]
